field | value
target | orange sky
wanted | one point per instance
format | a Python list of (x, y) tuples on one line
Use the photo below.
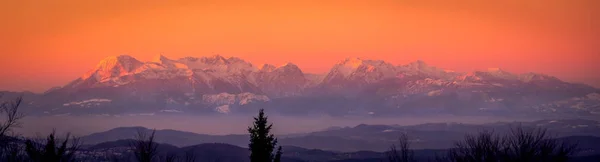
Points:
[(47, 43)]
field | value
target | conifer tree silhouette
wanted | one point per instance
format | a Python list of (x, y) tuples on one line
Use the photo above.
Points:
[(262, 142)]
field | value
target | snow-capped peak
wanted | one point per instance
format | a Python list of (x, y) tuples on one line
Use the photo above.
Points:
[(528, 77), (160, 59), (188, 59), (352, 62), (350, 65), (361, 69), (420, 67), (215, 59), (113, 66), (289, 69), (288, 65), (233, 60), (489, 74), (168, 63), (124, 60), (419, 64), (497, 72), (267, 68)]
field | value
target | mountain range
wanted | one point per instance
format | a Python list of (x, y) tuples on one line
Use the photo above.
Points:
[(354, 86)]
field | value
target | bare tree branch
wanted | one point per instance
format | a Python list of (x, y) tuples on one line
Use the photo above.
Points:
[(533, 145), (10, 116), (170, 157), (52, 148), (10, 148), (405, 154), (144, 147)]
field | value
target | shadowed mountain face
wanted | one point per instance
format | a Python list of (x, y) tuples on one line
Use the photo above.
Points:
[(364, 137), (358, 87)]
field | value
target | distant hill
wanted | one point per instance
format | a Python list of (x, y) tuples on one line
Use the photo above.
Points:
[(367, 137), (174, 137), (360, 143), (230, 153)]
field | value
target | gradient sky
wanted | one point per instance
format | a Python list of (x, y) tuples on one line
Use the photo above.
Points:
[(46, 43)]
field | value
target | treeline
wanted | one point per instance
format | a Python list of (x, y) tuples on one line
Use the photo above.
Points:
[(520, 145), (14, 148)]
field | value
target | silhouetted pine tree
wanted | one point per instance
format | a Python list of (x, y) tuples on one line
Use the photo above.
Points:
[(278, 155), (262, 143)]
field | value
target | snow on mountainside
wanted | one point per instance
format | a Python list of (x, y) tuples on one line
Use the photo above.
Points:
[(114, 66), (353, 85), (213, 73), (491, 75), (421, 68), (87, 103), (356, 68), (589, 103), (352, 73), (233, 99), (313, 79), (282, 81), (224, 101), (218, 65)]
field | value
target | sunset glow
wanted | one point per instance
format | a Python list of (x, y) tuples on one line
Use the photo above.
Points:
[(47, 43)]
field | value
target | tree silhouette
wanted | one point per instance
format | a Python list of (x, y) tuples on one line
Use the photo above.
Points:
[(10, 145), (402, 155), (278, 155), (10, 116), (169, 157), (262, 142), (537, 146), (483, 147), (189, 156), (12, 151), (52, 149), (144, 147), (533, 145)]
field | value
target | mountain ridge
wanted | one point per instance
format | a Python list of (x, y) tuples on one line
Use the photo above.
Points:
[(216, 84), (126, 63), (355, 61)]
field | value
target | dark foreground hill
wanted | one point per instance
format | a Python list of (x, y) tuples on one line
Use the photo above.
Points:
[(218, 152)]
